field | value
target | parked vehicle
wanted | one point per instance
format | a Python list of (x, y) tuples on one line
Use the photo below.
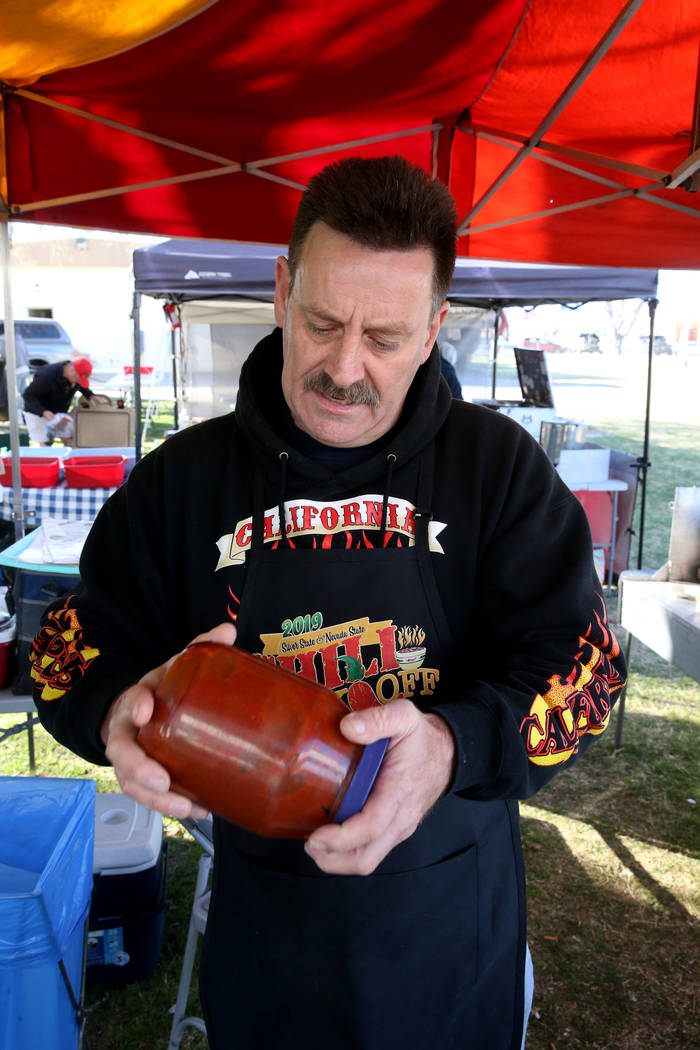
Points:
[(590, 343), (45, 340), (662, 345), (544, 344)]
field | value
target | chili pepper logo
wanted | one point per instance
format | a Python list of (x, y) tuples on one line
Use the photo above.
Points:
[(360, 693)]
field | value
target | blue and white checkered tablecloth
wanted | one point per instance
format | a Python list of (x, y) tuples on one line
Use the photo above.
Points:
[(56, 501)]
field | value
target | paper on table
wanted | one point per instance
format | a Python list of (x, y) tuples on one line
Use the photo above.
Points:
[(57, 542)]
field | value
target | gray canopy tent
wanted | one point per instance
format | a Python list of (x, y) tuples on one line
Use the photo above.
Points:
[(184, 272)]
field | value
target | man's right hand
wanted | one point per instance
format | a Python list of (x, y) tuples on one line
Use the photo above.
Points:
[(47, 415), (140, 776)]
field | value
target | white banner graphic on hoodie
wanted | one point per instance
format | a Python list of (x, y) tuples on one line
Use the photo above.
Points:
[(307, 517)]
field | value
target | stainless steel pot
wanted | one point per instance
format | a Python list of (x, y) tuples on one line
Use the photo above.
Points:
[(556, 436)]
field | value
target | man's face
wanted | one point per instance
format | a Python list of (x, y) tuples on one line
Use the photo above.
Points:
[(71, 374), (356, 326)]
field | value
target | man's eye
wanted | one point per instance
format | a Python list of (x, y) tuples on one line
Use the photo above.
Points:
[(319, 330), (381, 345)]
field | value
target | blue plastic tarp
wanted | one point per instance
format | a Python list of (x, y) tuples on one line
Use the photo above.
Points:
[(47, 832)]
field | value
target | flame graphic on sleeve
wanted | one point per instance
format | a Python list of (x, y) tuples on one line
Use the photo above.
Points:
[(578, 704)]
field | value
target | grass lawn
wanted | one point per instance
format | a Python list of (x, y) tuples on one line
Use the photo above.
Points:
[(611, 846)]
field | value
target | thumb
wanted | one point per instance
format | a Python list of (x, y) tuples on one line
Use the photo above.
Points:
[(375, 723), (223, 633), (142, 708)]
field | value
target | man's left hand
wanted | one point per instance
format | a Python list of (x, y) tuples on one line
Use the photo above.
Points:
[(98, 399), (415, 773)]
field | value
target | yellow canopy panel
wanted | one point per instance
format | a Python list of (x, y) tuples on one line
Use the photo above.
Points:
[(43, 36)]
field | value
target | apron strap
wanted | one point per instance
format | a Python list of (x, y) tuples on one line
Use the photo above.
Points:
[(424, 497), (423, 516), (257, 524)]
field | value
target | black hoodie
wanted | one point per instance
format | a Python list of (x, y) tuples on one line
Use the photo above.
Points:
[(526, 685)]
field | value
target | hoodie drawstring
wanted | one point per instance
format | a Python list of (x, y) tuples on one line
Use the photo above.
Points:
[(283, 458), (390, 461), (422, 513)]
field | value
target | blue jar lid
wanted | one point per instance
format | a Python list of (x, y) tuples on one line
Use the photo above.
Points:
[(362, 780)]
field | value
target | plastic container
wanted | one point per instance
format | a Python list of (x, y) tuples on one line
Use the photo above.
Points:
[(127, 911), (85, 472), (128, 451), (45, 884), (36, 472), (8, 634), (256, 744), (32, 592)]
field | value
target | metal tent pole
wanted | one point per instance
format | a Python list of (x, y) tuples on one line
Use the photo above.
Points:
[(136, 319), (11, 376), (173, 355), (643, 463), (495, 353)]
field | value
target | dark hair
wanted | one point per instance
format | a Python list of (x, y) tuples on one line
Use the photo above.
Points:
[(384, 203)]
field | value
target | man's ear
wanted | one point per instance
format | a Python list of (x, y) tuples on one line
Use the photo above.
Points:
[(282, 285), (435, 326)]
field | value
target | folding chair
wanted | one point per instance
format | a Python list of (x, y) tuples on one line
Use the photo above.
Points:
[(201, 832)]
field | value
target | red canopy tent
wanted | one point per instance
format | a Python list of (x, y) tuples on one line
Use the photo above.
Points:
[(560, 128), (567, 132)]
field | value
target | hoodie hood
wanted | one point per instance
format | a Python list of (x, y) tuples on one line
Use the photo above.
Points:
[(260, 404)]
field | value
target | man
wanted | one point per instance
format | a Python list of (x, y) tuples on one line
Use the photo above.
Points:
[(430, 555), (49, 395), (449, 373)]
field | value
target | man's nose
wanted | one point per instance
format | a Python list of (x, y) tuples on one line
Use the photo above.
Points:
[(345, 360)]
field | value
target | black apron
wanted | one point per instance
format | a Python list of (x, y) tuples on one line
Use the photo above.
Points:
[(427, 953)]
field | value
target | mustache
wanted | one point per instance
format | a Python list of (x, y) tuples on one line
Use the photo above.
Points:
[(356, 394)]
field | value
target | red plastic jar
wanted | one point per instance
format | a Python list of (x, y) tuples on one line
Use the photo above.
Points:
[(256, 744)]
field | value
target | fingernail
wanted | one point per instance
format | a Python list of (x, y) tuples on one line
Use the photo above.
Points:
[(357, 724), (315, 847)]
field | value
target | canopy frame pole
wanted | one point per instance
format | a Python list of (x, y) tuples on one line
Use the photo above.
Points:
[(643, 463), (173, 354), (136, 328), (52, 103), (567, 94), (11, 377), (511, 138), (578, 206), (229, 167), (494, 365), (226, 161), (115, 191), (350, 144), (643, 192)]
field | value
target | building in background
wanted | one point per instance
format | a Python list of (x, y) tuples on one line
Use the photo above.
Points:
[(83, 280)]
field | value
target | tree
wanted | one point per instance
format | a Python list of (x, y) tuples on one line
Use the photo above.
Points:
[(622, 314)]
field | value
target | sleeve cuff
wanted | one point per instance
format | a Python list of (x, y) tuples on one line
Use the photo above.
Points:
[(83, 709), (477, 743)]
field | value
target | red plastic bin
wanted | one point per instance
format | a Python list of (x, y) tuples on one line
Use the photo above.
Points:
[(91, 472), (36, 472)]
